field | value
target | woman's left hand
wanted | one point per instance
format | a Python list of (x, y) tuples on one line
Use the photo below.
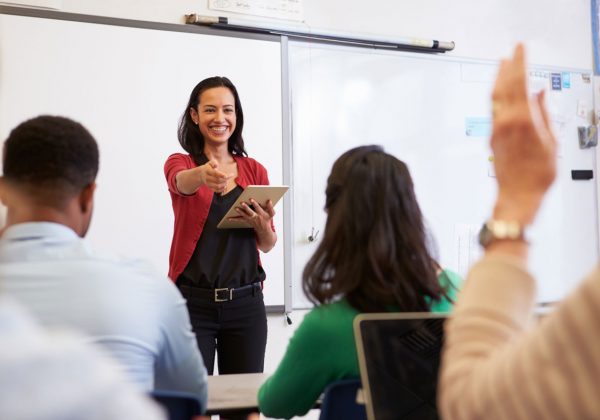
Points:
[(258, 217)]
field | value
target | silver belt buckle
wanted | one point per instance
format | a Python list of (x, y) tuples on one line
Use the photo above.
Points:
[(217, 299)]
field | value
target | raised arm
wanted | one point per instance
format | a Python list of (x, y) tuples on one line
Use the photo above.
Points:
[(494, 367)]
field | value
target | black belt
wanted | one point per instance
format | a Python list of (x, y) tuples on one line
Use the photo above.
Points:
[(222, 294)]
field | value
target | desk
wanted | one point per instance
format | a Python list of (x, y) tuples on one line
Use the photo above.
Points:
[(231, 393)]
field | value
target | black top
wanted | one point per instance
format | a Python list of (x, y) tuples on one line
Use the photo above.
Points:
[(223, 257)]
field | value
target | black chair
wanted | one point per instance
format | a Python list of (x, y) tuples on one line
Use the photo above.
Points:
[(178, 405), (341, 402)]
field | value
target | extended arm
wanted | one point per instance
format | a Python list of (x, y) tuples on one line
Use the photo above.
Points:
[(189, 180)]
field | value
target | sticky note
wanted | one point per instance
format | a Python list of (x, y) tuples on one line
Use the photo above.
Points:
[(478, 126), (566, 80), (556, 81)]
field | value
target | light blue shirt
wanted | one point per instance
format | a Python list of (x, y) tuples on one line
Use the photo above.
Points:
[(138, 316), (53, 375)]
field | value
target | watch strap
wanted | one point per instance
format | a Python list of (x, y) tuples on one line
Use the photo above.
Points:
[(501, 230)]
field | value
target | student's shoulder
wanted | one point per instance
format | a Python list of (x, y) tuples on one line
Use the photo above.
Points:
[(449, 278), (451, 283), (132, 271), (148, 273)]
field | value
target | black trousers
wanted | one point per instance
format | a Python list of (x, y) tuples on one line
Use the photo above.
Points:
[(236, 330)]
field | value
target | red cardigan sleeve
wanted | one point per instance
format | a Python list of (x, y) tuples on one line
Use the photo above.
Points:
[(175, 163)]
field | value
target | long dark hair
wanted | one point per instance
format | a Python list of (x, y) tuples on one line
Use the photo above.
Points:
[(189, 134), (374, 249)]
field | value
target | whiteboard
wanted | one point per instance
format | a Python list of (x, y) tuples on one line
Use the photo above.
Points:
[(129, 86), (433, 112)]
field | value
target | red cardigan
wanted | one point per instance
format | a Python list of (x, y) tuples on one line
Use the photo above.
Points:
[(191, 211)]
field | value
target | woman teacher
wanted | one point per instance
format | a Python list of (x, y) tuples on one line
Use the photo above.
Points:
[(219, 271)]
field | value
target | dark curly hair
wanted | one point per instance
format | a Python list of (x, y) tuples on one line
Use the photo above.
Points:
[(189, 134), (51, 153), (374, 249)]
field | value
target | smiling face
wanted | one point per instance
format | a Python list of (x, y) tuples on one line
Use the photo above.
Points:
[(215, 115)]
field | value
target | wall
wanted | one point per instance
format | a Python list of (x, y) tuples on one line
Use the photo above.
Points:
[(557, 33)]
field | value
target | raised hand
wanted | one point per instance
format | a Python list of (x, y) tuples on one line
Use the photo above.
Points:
[(523, 143)]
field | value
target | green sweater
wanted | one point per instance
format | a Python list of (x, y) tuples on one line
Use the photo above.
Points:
[(322, 351)]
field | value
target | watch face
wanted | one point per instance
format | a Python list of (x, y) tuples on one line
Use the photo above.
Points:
[(485, 235), (495, 230)]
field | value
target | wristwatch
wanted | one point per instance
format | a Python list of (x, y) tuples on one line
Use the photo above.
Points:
[(501, 230)]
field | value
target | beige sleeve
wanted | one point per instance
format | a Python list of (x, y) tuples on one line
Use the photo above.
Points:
[(495, 367)]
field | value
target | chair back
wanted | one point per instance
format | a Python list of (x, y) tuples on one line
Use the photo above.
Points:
[(342, 401), (399, 358), (178, 405)]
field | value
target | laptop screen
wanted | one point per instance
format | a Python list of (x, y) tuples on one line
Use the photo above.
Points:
[(399, 358)]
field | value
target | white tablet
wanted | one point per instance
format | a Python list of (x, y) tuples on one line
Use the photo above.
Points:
[(260, 193)]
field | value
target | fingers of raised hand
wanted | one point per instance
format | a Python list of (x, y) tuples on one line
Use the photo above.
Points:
[(510, 88), (522, 139), (510, 103)]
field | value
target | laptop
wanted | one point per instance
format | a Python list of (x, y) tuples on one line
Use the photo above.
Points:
[(399, 358)]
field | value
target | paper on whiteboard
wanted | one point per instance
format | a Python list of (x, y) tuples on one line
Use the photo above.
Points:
[(278, 9), (538, 80), (478, 126), (467, 248)]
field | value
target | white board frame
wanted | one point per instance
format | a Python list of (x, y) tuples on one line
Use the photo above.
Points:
[(325, 125)]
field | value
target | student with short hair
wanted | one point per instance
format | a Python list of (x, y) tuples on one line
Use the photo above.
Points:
[(50, 165), (373, 258)]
